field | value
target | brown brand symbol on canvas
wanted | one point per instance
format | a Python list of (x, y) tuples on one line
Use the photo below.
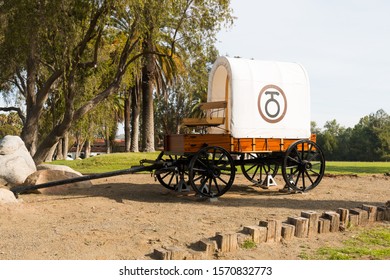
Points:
[(272, 103)]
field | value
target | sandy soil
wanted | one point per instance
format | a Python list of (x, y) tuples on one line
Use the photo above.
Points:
[(126, 217)]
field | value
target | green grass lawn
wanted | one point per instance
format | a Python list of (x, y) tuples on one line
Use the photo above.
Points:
[(372, 244), (118, 161), (107, 162), (361, 168)]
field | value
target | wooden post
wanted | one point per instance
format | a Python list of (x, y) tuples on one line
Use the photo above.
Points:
[(372, 212), (363, 215), (380, 214), (195, 255), (274, 228), (170, 253), (383, 213), (177, 253), (334, 220), (162, 254), (207, 245), (353, 219), (301, 226), (258, 233), (288, 231), (227, 242), (344, 216), (313, 222), (323, 225), (387, 214)]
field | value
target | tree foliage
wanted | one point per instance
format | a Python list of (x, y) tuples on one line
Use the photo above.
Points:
[(62, 58), (369, 140), (10, 124)]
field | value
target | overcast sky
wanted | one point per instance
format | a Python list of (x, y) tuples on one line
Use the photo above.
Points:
[(344, 46)]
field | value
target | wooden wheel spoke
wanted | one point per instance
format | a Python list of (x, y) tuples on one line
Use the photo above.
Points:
[(166, 175), (220, 159), (202, 163), (253, 166), (222, 180), (293, 159), (216, 185), (296, 181), (314, 172), (314, 155), (171, 179), (308, 176), (198, 178), (254, 173)]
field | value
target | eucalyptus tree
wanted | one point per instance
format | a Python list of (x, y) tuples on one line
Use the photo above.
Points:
[(56, 44)]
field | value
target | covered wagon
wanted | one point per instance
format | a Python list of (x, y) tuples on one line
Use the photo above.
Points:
[(257, 116)]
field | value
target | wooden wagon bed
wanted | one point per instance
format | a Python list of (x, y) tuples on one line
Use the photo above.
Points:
[(191, 143)]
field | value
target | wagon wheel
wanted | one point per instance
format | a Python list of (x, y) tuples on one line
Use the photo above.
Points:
[(303, 165), (256, 167), (174, 173), (211, 171)]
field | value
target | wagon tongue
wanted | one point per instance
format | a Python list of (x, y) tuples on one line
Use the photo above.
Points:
[(134, 169)]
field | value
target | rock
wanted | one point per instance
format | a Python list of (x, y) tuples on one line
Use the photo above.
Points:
[(44, 176), (6, 196), (57, 167), (15, 160), (3, 183), (10, 144)]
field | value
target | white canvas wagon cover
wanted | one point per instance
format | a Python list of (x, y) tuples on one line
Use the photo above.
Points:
[(265, 99)]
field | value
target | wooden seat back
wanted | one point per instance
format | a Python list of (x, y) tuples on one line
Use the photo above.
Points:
[(215, 115)]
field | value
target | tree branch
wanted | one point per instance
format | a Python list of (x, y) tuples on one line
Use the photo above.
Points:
[(17, 110), (184, 15), (95, 54), (43, 93), (79, 50)]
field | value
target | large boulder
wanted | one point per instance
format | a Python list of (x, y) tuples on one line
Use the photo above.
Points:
[(58, 167), (45, 176), (15, 160), (6, 196)]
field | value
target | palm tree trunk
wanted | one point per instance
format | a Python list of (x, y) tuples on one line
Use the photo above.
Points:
[(148, 70), (127, 120), (135, 113)]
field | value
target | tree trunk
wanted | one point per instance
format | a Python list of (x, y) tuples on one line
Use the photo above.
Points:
[(135, 113), (127, 120), (60, 153), (87, 148), (50, 155), (65, 145), (147, 102), (112, 138), (30, 129)]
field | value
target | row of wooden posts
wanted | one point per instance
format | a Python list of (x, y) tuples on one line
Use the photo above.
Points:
[(309, 224)]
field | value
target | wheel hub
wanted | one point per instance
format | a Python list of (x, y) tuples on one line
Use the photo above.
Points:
[(214, 172), (306, 165)]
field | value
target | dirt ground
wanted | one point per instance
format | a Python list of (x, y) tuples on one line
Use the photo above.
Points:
[(128, 216)]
